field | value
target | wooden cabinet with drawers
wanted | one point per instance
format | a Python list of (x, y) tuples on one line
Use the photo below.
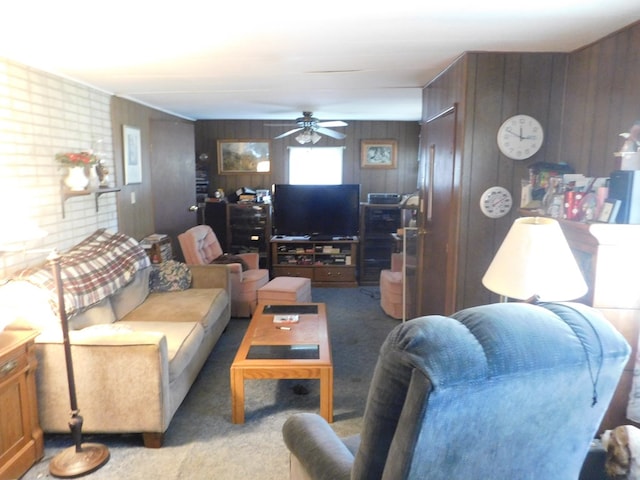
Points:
[(21, 441), (330, 263)]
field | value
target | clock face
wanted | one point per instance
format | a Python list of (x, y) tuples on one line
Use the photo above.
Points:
[(496, 202), (520, 136)]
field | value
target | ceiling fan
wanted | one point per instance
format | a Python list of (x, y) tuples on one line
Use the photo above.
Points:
[(310, 129)]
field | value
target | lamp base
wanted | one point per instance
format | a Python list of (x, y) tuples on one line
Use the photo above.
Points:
[(72, 463)]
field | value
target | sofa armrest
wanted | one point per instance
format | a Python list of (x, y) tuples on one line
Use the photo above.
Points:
[(122, 382), (210, 276), (317, 448)]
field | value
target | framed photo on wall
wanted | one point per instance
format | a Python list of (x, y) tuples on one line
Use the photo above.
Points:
[(132, 145), (379, 154), (243, 156)]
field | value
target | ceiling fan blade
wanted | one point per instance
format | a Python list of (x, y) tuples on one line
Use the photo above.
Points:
[(330, 133), (288, 133), (280, 124), (333, 123)]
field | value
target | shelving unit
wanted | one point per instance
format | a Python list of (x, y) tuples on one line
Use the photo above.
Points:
[(377, 224), (327, 263), (604, 252), (249, 229), (66, 193)]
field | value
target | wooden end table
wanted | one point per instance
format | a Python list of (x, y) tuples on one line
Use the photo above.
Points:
[(21, 439), (284, 351)]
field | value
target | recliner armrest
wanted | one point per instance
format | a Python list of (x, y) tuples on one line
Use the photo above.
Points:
[(319, 450), (252, 259)]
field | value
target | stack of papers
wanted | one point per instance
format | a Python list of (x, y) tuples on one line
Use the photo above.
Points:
[(291, 318)]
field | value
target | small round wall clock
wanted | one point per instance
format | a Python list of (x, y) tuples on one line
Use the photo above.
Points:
[(520, 137), (496, 202)]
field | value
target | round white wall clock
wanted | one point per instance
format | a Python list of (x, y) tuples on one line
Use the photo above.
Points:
[(496, 202), (520, 137)]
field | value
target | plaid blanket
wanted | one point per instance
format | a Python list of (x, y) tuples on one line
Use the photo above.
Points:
[(92, 270)]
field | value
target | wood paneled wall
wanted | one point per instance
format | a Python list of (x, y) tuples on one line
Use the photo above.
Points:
[(136, 219), (601, 101), (488, 88), (584, 99), (399, 180)]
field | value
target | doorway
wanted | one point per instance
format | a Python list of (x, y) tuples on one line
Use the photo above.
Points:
[(437, 217)]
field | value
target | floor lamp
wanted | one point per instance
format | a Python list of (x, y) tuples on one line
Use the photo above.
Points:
[(82, 458), (535, 263)]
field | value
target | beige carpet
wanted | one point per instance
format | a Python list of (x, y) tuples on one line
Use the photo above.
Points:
[(202, 443)]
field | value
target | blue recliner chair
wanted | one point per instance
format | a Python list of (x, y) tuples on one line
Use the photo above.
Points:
[(502, 391)]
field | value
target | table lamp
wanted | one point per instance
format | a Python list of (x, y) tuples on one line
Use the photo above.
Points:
[(535, 263)]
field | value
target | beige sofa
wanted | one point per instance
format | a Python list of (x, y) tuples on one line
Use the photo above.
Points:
[(135, 352)]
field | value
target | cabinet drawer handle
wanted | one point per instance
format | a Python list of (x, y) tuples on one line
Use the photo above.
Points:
[(8, 367)]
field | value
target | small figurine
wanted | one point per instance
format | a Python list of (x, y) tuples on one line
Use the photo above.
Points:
[(103, 174), (632, 138)]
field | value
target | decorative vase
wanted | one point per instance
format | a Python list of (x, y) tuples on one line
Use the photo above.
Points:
[(76, 179), (94, 179)]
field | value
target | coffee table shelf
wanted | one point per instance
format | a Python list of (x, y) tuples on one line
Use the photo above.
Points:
[(285, 356)]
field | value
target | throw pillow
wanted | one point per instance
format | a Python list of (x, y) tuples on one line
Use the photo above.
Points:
[(225, 258), (169, 276)]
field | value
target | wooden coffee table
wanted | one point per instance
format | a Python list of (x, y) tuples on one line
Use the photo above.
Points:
[(284, 351)]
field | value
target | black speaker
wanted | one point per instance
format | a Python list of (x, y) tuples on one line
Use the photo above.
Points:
[(215, 215), (624, 185)]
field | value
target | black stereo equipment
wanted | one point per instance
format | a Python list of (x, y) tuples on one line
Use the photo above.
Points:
[(624, 185), (384, 198)]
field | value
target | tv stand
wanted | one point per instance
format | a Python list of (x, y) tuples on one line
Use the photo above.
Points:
[(327, 263)]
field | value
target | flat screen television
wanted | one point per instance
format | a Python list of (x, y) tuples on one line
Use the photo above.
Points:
[(317, 211)]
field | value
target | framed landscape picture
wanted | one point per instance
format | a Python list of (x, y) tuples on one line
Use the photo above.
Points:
[(243, 156), (379, 153)]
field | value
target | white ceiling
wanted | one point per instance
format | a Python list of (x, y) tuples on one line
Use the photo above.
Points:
[(258, 59)]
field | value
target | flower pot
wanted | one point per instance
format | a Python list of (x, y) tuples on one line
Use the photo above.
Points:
[(76, 179)]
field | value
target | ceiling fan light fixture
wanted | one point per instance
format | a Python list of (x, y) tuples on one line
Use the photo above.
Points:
[(310, 130), (308, 136)]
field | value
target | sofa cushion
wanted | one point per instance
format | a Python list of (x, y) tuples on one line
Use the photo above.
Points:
[(203, 305), (99, 314), (169, 276), (28, 306), (132, 294), (183, 340), (102, 330)]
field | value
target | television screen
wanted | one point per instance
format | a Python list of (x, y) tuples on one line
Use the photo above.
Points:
[(316, 210)]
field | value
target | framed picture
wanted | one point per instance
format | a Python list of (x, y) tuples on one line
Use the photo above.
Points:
[(379, 153), (243, 156), (609, 211), (132, 145)]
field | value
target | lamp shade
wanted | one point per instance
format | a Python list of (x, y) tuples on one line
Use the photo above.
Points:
[(535, 260)]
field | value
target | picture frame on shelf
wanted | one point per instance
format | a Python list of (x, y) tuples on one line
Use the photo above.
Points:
[(609, 211), (244, 156), (379, 154), (132, 154)]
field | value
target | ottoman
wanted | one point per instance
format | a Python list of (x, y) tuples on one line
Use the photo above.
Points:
[(286, 290), (391, 295)]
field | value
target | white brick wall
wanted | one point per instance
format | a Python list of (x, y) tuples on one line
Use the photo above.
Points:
[(41, 115)]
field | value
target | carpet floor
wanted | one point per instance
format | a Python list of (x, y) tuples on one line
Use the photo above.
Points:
[(202, 443)]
